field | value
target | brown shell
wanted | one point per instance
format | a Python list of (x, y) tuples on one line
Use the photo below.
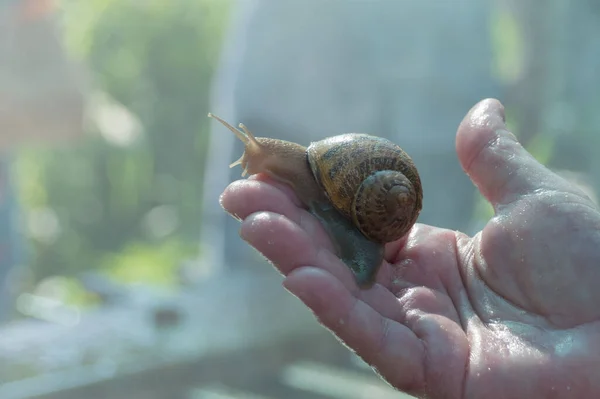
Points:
[(370, 180)]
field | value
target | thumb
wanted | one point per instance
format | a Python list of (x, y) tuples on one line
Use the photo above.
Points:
[(495, 161)]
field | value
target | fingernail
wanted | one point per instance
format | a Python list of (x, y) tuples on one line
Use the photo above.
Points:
[(235, 216), (232, 214), (488, 113), (494, 107)]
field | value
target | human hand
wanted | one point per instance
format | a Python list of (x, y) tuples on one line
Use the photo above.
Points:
[(509, 313)]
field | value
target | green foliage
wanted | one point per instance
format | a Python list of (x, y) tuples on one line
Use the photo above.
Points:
[(507, 44), (88, 203), (142, 261)]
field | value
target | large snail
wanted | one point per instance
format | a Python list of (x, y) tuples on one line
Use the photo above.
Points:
[(365, 190)]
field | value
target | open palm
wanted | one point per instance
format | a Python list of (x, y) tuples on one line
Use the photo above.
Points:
[(510, 313)]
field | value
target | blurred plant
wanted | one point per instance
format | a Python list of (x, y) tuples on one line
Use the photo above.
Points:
[(507, 45), (142, 261), (129, 193)]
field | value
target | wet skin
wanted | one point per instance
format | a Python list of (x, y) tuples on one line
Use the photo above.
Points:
[(513, 312)]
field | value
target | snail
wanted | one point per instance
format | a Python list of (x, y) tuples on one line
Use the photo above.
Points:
[(364, 190)]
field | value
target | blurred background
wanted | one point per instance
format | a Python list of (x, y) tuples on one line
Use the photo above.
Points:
[(121, 276)]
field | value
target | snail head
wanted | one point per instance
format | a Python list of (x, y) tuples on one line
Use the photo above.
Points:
[(278, 158), (254, 152)]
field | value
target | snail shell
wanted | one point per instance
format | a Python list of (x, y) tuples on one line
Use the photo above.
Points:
[(364, 190), (371, 181)]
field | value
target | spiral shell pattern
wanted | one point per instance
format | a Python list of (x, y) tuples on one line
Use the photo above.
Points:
[(371, 181)]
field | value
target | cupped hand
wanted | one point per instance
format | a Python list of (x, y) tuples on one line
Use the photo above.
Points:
[(513, 312)]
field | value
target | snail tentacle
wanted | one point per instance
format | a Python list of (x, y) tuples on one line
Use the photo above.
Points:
[(245, 139), (239, 162), (252, 145), (248, 133)]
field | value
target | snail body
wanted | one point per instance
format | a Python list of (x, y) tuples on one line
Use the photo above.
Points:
[(364, 190)]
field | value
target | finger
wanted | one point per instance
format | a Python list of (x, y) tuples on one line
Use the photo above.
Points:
[(271, 235), (424, 273), (284, 188), (382, 300), (494, 159), (391, 347), (245, 197), (426, 258), (288, 246)]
